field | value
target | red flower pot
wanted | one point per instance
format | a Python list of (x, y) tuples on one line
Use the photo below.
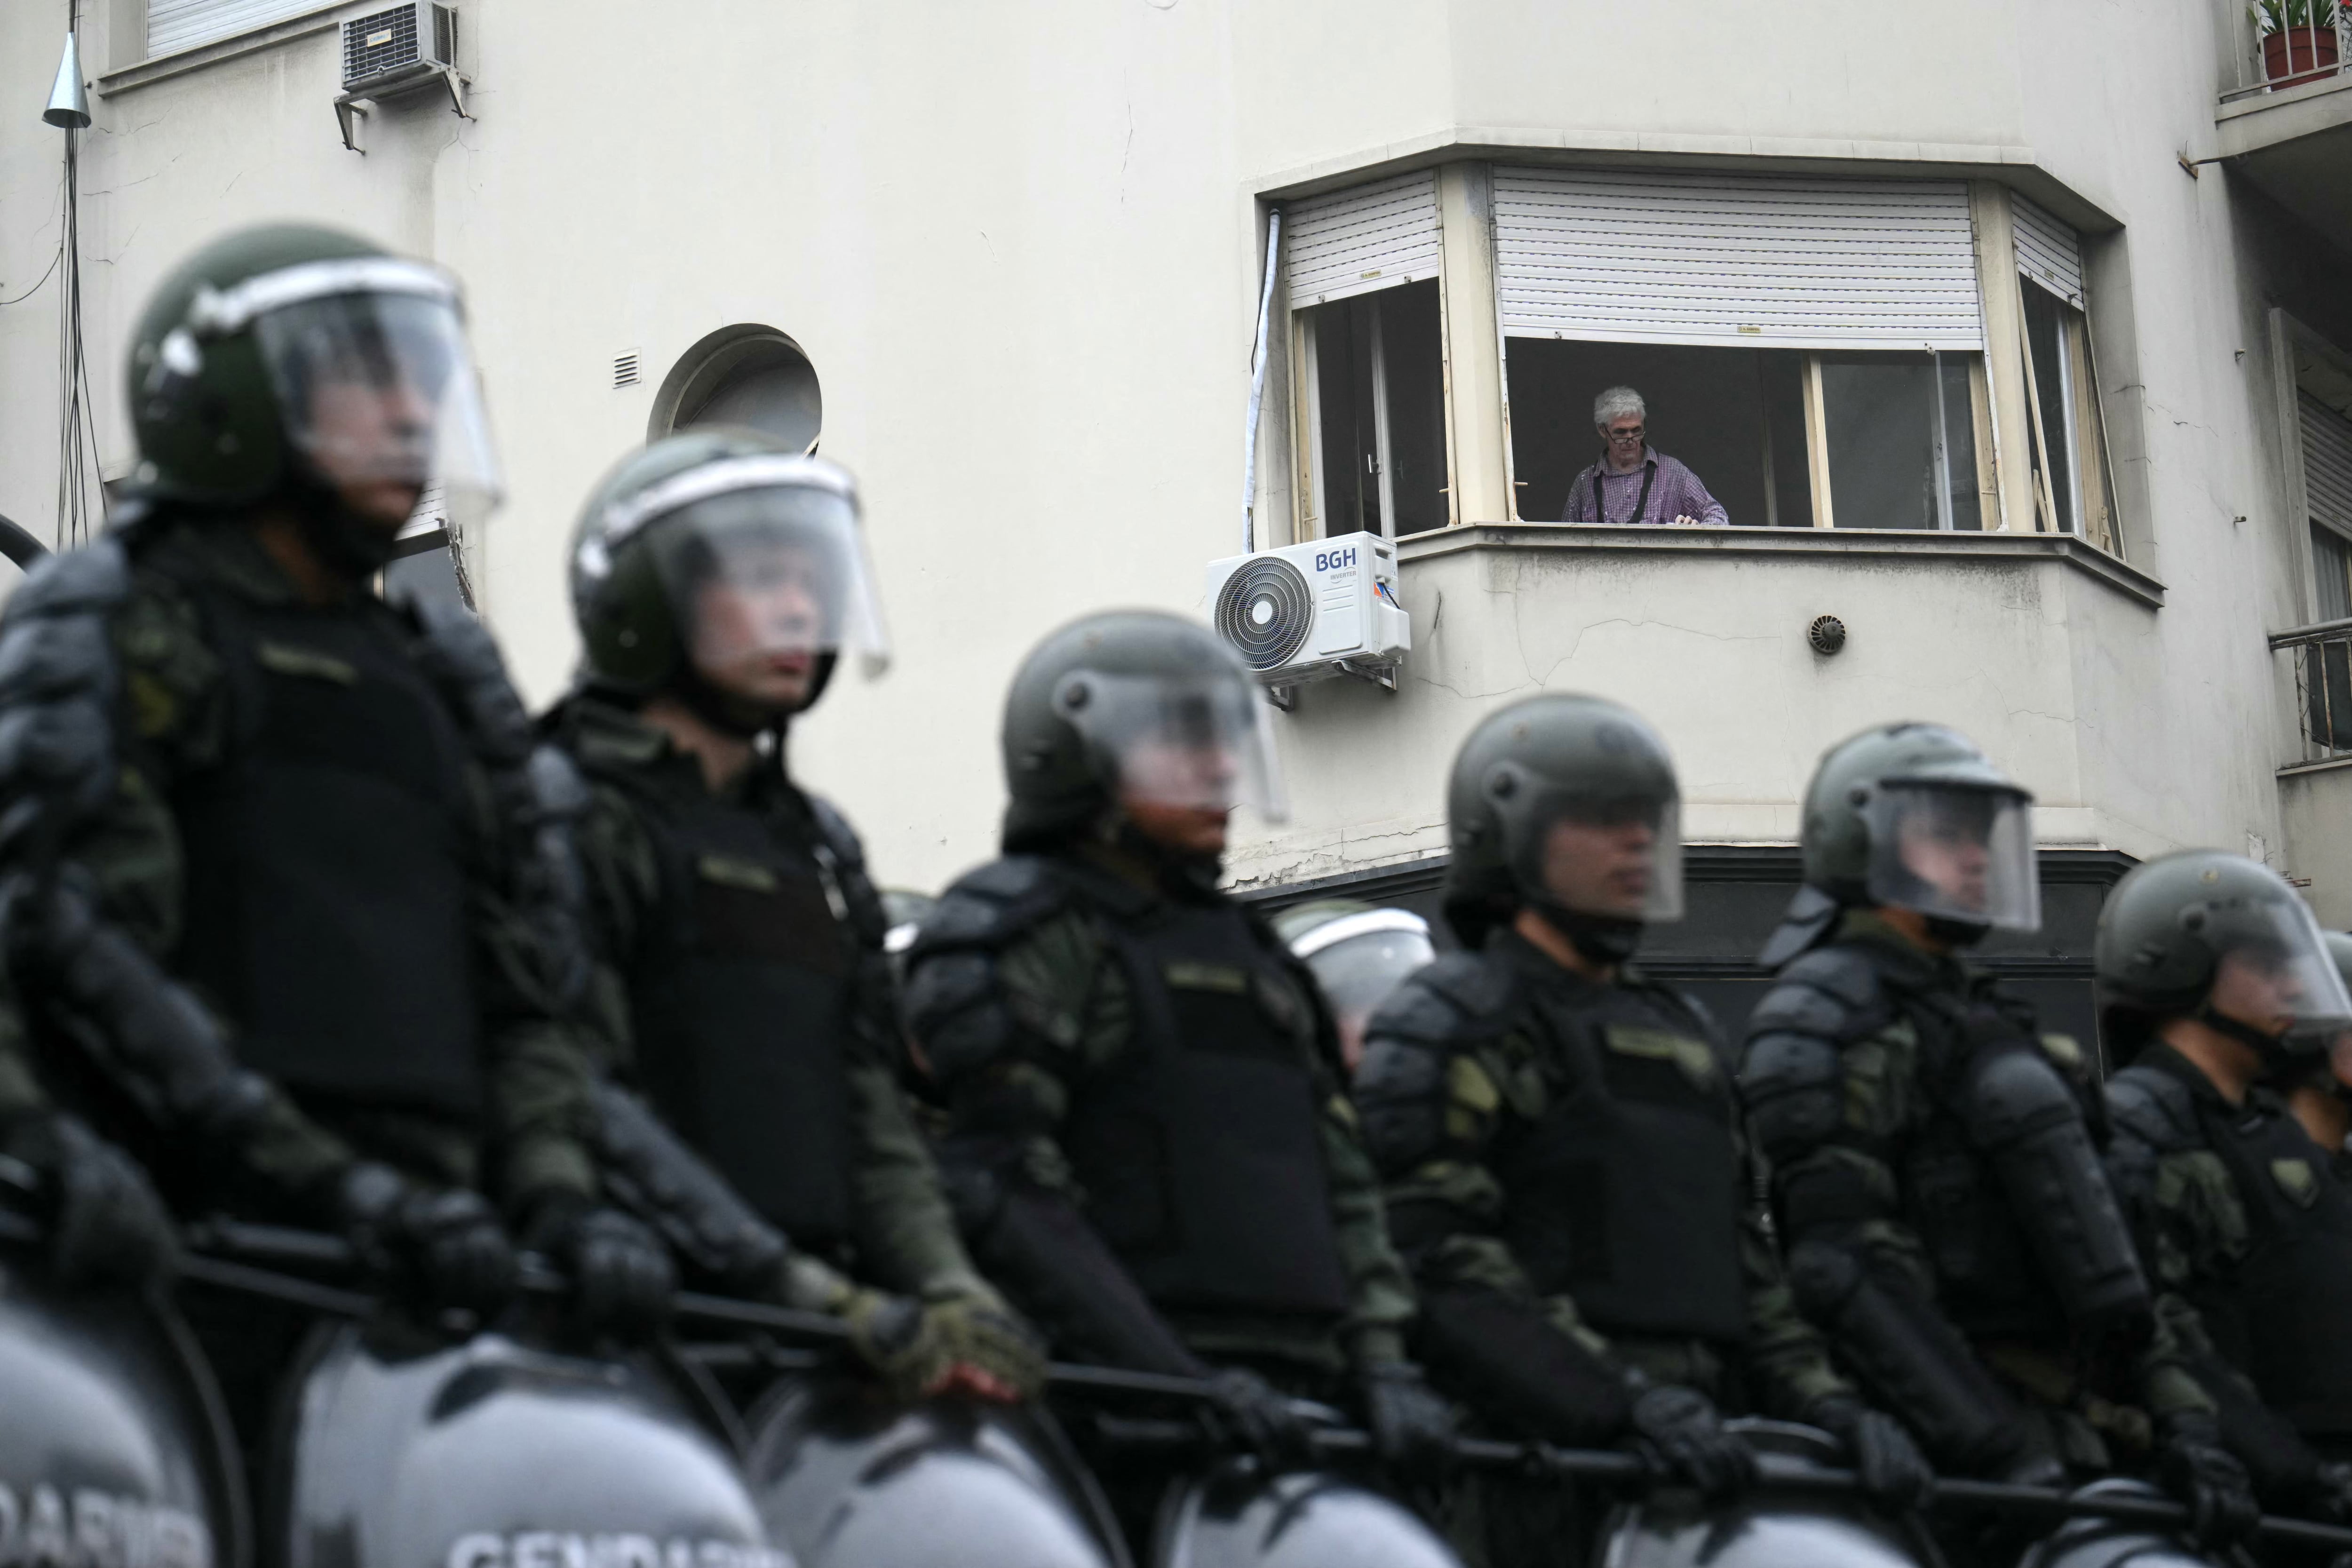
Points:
[(2294, 56)]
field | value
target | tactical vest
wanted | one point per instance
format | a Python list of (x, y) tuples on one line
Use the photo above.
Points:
[(328, 860), (742, 994), (1200, 1148), (2282, 1315), (1626, 1193)]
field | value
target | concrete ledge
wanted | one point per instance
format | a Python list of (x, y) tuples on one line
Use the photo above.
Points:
[(163, 67), (2266, 119), (1812, 544)]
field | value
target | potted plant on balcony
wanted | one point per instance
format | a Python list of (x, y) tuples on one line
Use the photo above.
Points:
[(2299, 40)]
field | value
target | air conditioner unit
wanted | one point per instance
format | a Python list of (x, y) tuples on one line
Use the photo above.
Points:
[(389, 51), (1306, 612)]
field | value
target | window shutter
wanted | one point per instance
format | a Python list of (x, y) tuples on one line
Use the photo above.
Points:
[(2326, 462), (1354, 241), (174, 25), (1766, 262), (2048, 251)]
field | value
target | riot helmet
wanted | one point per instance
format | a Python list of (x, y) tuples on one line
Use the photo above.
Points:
[(1132, 707), (1566, 804), (724, 568), (2204, 934), (1359, 954), (1914, 816), (299, 363)]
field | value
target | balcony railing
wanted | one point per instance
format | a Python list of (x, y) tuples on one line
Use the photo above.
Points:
[(2280, 45), (2322, 685)]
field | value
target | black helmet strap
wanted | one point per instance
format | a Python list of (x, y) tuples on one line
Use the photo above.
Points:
[(1602, 939), (2269, 1046)]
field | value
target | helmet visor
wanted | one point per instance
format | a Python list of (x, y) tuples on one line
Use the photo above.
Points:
[(1954, 851), (1612, 857), (1358, 959), (377, 392), (2273, 971), (763, 581), (1203, 742)]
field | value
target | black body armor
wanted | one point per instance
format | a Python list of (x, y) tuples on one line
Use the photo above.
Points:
[(329, 860)]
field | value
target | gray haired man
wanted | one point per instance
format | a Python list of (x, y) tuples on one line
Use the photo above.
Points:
[(1634, 482)]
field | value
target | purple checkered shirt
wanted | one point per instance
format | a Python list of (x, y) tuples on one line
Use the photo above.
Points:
[(1677, 493)]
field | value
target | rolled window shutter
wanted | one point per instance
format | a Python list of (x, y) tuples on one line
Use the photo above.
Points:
[(174, 25), (1354, 241), (2326, 462), (1765, 262), (2048, 251)]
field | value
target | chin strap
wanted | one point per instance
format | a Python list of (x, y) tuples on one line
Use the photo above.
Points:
[(1180, 875), (1955, 933), (723, 711), (1602, 939), (2272, 1048)]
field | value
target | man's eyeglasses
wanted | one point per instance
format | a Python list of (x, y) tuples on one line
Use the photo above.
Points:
[(1635, 434)]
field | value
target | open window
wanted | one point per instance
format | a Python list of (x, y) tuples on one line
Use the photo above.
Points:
[(2327, 491), (429, 561), (1810, 349), (2074, 485), (1367, 329)]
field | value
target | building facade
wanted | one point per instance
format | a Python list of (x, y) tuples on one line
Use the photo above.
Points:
[(2016, 339)]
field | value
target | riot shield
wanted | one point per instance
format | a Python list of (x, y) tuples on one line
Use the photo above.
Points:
[(1769, 1527), (113, 1449), (1233, 1517), (2113, 1543), (397, 1453), (849, 1478)]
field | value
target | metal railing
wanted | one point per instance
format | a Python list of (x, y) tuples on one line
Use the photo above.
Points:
[(2322, 685), (2280, 44)]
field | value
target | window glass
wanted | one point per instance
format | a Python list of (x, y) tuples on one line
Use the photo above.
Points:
[(2331, 556), (1901, 434), (2051, 388), (1377, 413), (429, 575)]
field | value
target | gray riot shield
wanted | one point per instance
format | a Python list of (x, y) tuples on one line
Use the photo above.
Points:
[(1769, 1527), (113, 1451), (847, 1478), (1235, 1518), (2113, 1543), (493, 1454)]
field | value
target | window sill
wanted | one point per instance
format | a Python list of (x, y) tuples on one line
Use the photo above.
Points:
[(163, 67), (2321, 765), (1872, 543)]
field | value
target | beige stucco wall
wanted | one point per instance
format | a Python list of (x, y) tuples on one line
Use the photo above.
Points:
[(1017, 242)]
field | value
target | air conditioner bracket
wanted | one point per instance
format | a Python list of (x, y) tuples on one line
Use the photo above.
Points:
[(351, 106)]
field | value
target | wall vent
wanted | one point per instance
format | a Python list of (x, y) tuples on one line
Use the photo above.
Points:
[(624, 369)]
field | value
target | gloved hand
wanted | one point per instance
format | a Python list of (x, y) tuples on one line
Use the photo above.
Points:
[(444, 1245), (1892, 1469), (106, 1223), (1413, 1427), (967, 1341), (1678, 1430), (2192, 1465), (622, 1280), (1252, 1413), (2331, 1492)]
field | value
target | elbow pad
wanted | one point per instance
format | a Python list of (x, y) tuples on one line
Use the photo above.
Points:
[(2025, 1119), (1914, 1361), (668, 1185)]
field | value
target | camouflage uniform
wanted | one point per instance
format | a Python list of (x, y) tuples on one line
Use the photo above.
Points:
[(1461, 1066), (1852, 1070), (1019, 1000), (899, 1231)]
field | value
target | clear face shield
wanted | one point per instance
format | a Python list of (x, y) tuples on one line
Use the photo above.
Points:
[(377, 392), (1955, 852), (1358, 960), (2274, 973), (1204, 743), (1616, 859)]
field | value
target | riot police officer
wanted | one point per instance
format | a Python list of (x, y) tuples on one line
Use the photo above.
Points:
[(1357, 955), (1147, 1138), (1564, 1152), (274, 868), (718, 578), (2319, 1089), (2211, 969), (1936, 1178)]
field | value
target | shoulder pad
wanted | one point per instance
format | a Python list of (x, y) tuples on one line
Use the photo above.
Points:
[(1832, 993), (460, 651), (45, 657), (990, 906), (1456, 995), (95, 577), (835, 829), (556, 782), (2154, 1107)]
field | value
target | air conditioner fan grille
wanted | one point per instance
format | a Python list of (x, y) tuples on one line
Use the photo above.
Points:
[(1266, 611)]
